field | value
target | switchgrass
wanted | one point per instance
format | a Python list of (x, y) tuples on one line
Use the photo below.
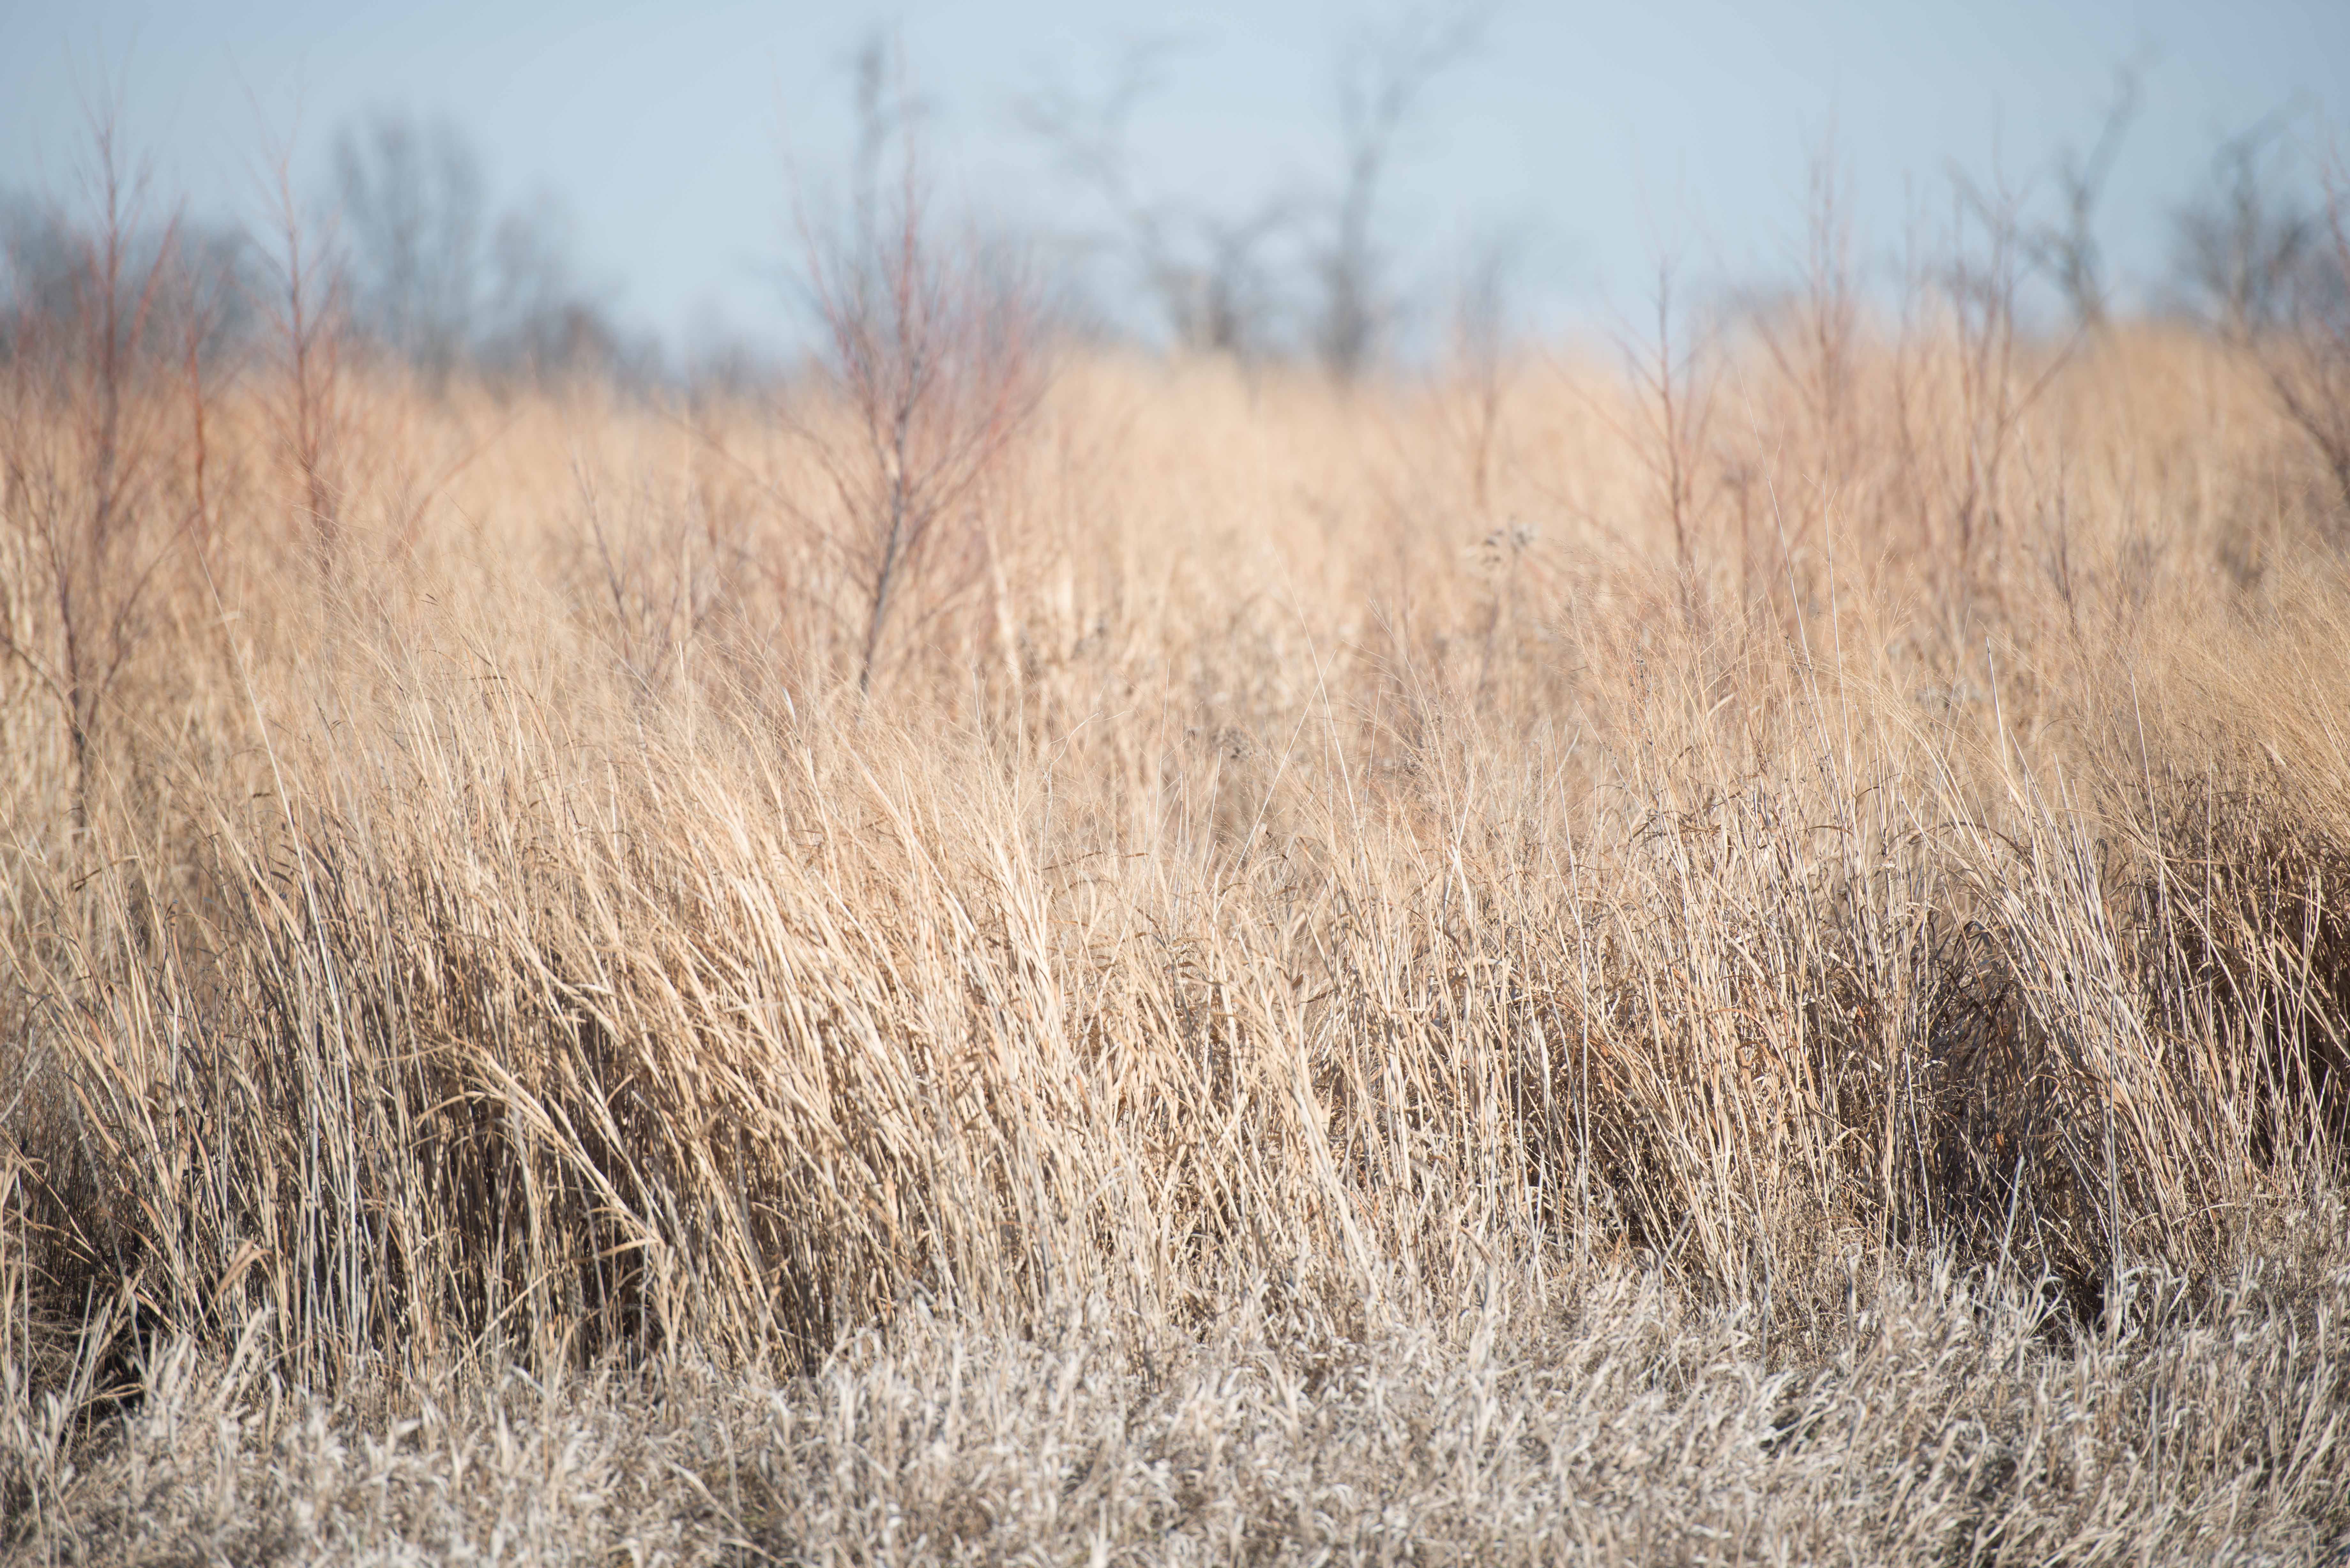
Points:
[(1778, 998)]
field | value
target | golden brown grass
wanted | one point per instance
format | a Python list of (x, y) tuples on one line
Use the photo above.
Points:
[(1762, 986)]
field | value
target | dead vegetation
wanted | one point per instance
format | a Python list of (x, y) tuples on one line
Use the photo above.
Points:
[(1753, 978)]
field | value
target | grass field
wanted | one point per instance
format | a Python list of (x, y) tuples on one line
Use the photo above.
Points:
[(1541, 965)]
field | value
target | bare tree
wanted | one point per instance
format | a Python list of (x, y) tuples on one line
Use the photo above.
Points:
[(2066, 252), (1206, 272), (414, 208), (2307, 363), (44, 265), (2237, 240), (2273, 276), (41, 262), (539, 322), (440, 279), (930, 347), (1383, 77)]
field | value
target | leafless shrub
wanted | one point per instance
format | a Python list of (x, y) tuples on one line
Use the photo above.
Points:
[(2000, 371), (87, 448), (1812, 337), (306, 309), (1672, 374), (932, 350)]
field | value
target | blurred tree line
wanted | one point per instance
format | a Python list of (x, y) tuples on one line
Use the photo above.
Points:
[(423, 265), (444, 281)]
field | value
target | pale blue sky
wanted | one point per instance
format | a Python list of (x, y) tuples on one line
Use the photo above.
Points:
[(1603, 130)]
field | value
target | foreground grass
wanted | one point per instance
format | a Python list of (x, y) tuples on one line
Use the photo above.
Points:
[(1333, 1000), (1929, 1423)]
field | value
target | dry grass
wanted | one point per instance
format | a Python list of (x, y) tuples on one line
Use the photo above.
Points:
[(1774, 990), (1611, 1421)]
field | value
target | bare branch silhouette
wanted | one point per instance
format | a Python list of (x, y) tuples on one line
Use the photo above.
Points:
[(1206, 272), (2067, 251), (2239, 239), (1383, 79)]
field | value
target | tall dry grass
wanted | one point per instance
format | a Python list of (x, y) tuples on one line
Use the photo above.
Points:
[(1855, 872)]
